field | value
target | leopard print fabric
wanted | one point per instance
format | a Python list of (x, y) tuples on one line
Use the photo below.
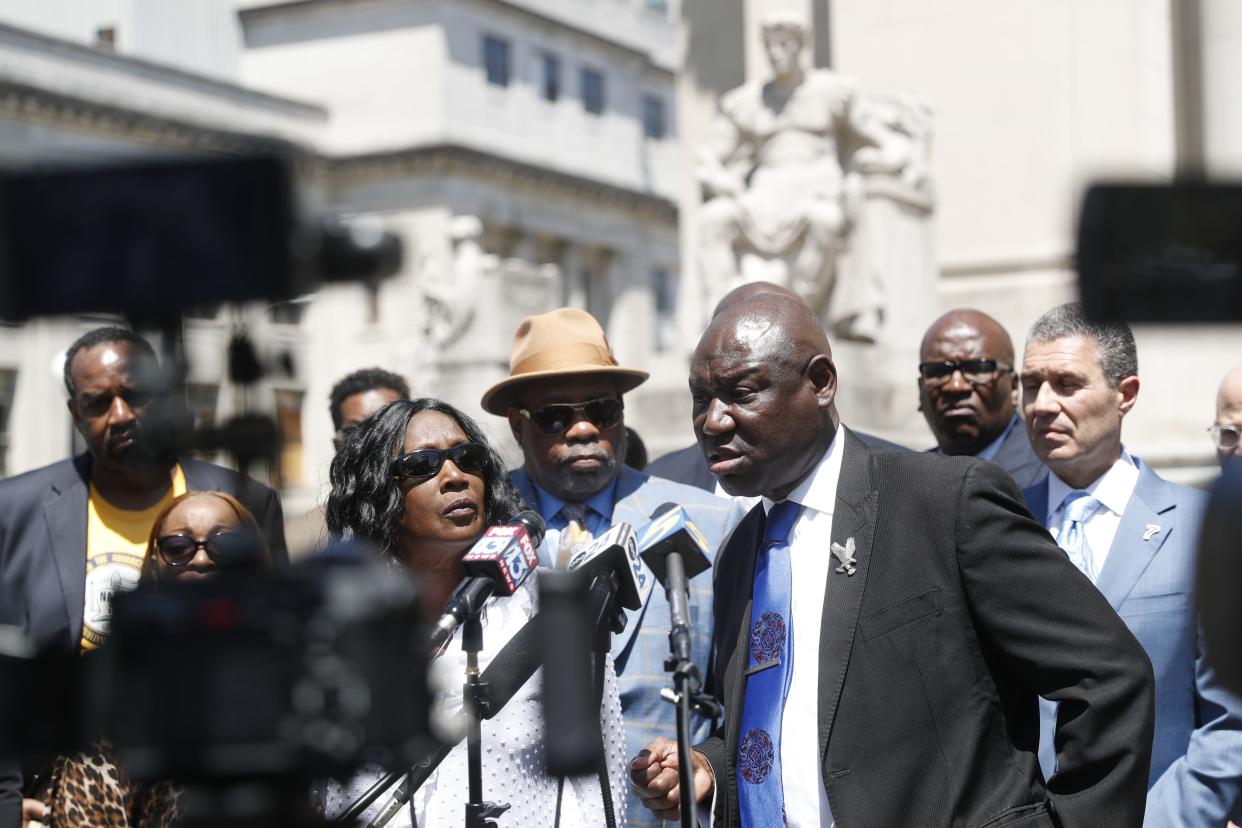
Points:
[(89, 790)]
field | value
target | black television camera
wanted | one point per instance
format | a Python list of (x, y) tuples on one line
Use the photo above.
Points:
[(1173, 253)]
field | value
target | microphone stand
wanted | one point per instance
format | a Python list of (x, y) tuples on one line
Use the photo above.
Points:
[(479, 814), (686, 693), (609, 618)]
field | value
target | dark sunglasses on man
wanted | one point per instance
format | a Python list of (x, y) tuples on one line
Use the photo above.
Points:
[(974, 371), (559, 417), (426, 463), (225, 548)]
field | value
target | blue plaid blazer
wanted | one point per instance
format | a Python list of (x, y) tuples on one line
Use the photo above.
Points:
[(639, 652)]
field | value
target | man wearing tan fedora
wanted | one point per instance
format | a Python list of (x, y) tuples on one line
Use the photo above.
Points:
[(564, 401)]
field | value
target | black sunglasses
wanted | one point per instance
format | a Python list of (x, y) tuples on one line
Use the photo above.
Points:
[(469, 457), (974, 371), (225, 548), (557, 418)]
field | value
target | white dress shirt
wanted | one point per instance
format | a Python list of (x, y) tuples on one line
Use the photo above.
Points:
[(806, 802), (810, 556), (1112, 490)]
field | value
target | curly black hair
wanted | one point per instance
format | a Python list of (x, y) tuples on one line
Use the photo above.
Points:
[(366, 502), (364, 379)]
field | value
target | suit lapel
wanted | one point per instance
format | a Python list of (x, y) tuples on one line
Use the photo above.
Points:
[(1036, 497), (736, 568), (1128, 557), (854, 517), (65, 514)]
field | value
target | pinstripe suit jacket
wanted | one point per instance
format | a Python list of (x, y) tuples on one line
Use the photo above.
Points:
[(640, 650)]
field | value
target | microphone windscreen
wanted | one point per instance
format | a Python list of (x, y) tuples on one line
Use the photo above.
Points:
[(663, 509), (617, 551), (673, 531), (534, 523)]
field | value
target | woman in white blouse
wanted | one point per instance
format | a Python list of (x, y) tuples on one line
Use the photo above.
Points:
[(420, 482)]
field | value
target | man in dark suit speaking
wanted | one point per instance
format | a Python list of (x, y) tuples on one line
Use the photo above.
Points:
[(885, 621)]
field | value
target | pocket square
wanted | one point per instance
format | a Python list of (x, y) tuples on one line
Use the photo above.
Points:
[(845, 554)]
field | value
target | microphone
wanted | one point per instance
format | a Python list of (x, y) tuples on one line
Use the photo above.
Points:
[(497, 564), (676, 551), (616, 552)]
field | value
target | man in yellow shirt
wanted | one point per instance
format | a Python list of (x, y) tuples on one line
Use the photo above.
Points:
[(72, 534)]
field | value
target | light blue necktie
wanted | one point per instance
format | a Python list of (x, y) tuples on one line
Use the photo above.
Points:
[(1075, 509), (769, 668)]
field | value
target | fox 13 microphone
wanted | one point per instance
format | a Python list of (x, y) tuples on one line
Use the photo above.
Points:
[(497, 564)]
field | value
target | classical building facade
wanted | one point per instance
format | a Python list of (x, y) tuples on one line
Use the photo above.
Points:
[(535, 152), (526, 153)]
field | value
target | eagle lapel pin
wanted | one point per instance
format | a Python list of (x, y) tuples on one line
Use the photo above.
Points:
[(845, 554)]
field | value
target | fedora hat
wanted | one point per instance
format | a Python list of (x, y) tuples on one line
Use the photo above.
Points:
[(565, 342)]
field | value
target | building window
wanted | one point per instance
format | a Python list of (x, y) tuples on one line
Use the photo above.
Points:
[(8, 387), (660, 7), (664, 292), (549, 76), (289, 420), (496, 60), (592, 91), (202, 401), (654, 123), (105, 38)]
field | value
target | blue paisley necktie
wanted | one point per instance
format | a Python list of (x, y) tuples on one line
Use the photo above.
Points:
[(769, 668)]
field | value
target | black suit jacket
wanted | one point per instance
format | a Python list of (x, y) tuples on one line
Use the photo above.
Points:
[(43, 542), (960, 611), (689, 466), (1016, 456)]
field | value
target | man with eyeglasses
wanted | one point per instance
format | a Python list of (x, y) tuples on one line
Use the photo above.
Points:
[(1135, 536), (966, 393), (1228, 425), (75, 532), (564, 402)]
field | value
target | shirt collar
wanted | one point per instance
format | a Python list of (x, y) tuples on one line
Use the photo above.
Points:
[(993, 447), (1112, 489), (819, 490), (601, 502)]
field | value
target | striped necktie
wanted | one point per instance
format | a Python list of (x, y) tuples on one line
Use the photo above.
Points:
[(761, 795)]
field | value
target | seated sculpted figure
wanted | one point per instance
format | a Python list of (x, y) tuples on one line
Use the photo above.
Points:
[(774, 176)]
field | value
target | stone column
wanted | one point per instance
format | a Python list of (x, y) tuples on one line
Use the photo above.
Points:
[(1221, 67)]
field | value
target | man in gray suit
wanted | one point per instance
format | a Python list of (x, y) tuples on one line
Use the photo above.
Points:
[(564, 402), (1134, 535), (74, 532), (966, 393)]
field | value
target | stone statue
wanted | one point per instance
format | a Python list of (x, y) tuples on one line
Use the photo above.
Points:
[(785, 178), (450, 297)]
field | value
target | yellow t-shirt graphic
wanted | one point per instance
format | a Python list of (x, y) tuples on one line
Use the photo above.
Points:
[(116, 540)]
